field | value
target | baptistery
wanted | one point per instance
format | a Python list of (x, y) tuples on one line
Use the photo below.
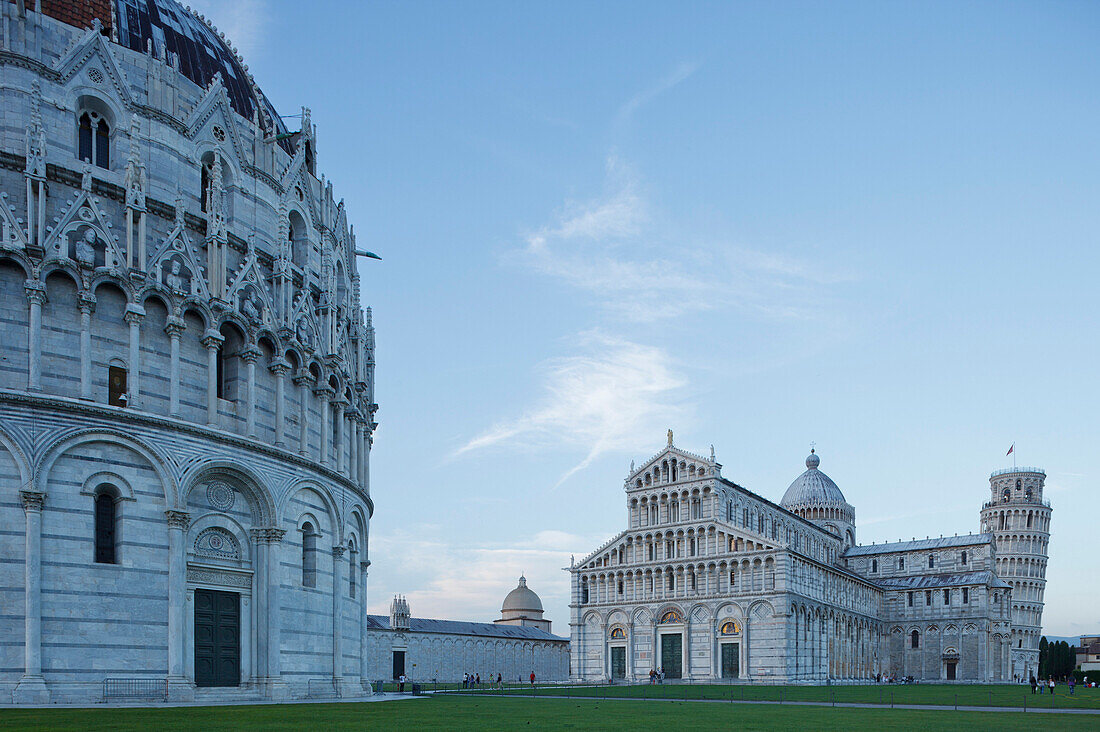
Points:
[(186, 374)]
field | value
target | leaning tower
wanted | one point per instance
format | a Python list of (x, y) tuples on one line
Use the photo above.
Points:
[(1019, 520)]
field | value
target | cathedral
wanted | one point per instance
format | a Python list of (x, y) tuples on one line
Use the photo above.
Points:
[(186, 376), (712, 581)]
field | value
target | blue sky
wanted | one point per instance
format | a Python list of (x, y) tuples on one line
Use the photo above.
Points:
[(869, 225)]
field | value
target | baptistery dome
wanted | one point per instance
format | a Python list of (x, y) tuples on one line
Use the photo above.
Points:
[(186, 375)]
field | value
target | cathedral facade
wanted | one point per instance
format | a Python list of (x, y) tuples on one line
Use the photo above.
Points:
[(186, 376), (712, 581)]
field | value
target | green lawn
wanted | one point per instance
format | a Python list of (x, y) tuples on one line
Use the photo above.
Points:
[(495, 713), (999, 695)]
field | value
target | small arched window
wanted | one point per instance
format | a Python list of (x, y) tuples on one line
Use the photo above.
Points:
[(105, 524), (94, 139), (963, 557), (584, 590), (353, 561), (931, 561), (309, 555), (1006, 494), (914, 639), (874, 565)]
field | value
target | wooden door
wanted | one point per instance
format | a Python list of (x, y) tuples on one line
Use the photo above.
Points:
[(217, 638)]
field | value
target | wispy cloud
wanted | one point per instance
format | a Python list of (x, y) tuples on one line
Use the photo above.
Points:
[(611, 397), (244, 22), (682, 71), (641, 269)]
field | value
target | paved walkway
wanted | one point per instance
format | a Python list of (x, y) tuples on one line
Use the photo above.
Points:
[(852, 705), (209, 703)]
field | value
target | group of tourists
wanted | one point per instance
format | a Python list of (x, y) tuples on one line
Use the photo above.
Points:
[(1071, 682), (889, 678), (656, 676), (473, 681)]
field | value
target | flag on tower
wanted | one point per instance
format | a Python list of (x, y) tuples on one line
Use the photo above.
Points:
[(1011, 449)]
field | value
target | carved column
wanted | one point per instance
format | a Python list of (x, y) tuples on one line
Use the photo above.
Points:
[(280, 367), (32, 687), (353, 446), (36, 294), (174, 328), (249, 356), (364, 665), (212, 340), (268, 631), (338, 406), (324, 394), (303, 380), (87, 306), (134, 315), (337, 615), (177, 589)]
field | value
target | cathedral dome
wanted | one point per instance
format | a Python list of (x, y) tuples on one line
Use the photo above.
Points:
[(522, 598), (812, 487)]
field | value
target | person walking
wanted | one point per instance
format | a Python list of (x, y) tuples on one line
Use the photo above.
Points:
[(1072, 683), (1051, 685), (401, 683), (500, 681), (1033, 683), (532, 679)]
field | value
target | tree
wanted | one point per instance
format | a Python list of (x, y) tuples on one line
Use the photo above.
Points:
[(1044, 649)]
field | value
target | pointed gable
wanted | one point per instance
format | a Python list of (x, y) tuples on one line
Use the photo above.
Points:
[(92, 51)]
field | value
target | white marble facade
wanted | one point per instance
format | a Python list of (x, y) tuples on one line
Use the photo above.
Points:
[(186, 376), (713, 581), (429, 650)]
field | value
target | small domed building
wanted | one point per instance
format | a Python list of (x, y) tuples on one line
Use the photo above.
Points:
[(426, 649), (523, 607), (186, 374)]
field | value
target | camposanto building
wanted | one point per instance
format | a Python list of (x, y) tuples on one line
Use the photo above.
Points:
[(426, 649), (713, 581), (186, 377)]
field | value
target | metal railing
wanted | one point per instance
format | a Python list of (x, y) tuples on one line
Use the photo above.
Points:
[(135, 689), (1021, 469)]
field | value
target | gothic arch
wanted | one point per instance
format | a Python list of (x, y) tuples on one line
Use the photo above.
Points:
[(67, 442), (19, 458), (243, 478), (313, 488)]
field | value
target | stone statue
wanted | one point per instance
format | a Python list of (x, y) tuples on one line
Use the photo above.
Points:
[(85, 248), (250, 309), (173, 279), (303, 333), (670, 438)]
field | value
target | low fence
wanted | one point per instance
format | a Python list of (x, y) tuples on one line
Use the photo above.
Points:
[(1000, 696), (123, 689)]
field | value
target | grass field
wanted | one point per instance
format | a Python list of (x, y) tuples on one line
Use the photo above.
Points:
[(999, 695), (503, 713)]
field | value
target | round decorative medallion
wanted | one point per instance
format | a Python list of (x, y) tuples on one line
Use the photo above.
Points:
[(220, 496), (219, 133), (95, 75)]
